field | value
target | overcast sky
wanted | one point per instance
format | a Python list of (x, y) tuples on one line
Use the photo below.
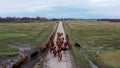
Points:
[(61, 8)]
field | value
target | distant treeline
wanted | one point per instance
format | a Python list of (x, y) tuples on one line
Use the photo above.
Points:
[(30, 19), (22, 20), (42, 19), (65, 19), (111, 20)]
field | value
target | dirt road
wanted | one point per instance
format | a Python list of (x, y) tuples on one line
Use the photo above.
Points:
[(52, 62)]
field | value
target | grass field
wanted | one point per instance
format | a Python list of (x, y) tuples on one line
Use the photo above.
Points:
[(94, 36), (12, 33)]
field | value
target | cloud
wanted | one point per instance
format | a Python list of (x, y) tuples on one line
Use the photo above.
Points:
[(105, 8), (98, 1)]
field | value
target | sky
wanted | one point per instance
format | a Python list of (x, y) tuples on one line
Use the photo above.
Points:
[(60, 8)]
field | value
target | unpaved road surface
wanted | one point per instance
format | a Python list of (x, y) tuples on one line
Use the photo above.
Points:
[(52, 62)]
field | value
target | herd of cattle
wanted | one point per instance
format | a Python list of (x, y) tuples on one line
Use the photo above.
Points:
[(61, 44)]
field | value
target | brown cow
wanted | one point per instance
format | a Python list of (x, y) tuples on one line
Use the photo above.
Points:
[(65, 44), (63, 38), (43, 48), (54, 52), (58, 44), (48, 44), (59, 39), (69, 45), (51, 37), (59, 56), (52, 48), (16, 65), (59, 50), (62, 42), (52, 43), (59, 34), (24, 59)]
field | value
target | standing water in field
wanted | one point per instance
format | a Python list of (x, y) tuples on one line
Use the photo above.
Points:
[(88, 60), (24, 49)]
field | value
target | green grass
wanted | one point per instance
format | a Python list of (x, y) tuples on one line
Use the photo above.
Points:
[(80, 60), (93, 34), (35, 33), (8, 36), (2, 54), (107, 33), (110, 58)]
